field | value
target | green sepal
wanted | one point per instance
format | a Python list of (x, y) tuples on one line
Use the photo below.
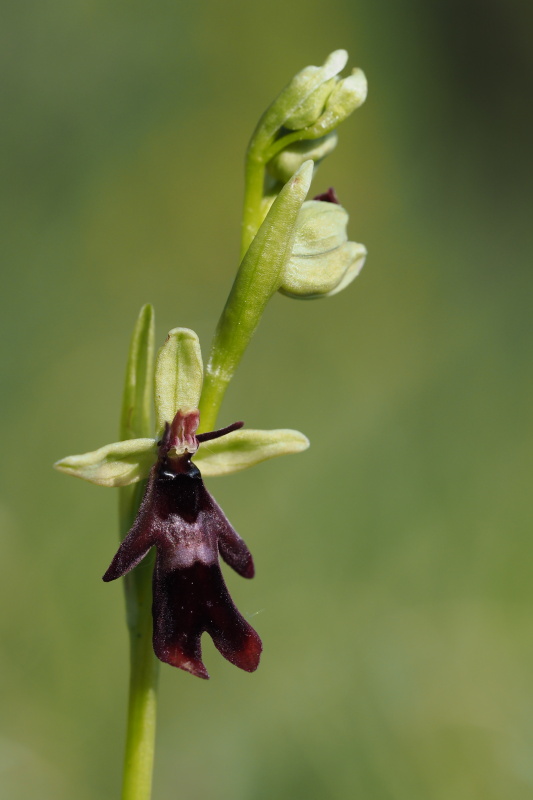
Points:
[(137, 396), (117, 464), (178, 376), (245, 448)]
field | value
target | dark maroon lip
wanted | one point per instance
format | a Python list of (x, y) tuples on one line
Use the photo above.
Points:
[(190, 531)]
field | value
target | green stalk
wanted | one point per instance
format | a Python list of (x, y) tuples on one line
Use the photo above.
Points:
[(253, 199), (144, 666), (259, 277)]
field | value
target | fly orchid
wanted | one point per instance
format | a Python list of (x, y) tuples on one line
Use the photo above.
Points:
[(179, 517)]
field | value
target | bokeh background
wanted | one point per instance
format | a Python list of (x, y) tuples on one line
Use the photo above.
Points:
[(394, 589)]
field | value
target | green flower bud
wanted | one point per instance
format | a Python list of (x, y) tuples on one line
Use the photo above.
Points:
[(323, 261), (301, 102), (348, 94), (312, 107), (283, 166)]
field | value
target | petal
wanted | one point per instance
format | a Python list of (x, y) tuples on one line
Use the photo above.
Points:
[(117, 464), (178, 376), (245, 448), (188, 602)]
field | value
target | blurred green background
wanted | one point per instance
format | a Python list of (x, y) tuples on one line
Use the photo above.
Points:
[(394, 558)]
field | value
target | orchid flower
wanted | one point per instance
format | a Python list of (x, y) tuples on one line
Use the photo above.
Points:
[(179, 517)]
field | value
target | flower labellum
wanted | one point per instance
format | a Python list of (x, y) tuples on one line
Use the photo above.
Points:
[(189, 530)]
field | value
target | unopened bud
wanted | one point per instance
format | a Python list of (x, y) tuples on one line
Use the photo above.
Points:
[(311, 108), (323, 261), (348, 94), (303, 101)]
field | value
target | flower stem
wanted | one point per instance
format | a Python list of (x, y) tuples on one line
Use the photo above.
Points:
[(144, 667), (253, 197), (213, 392)]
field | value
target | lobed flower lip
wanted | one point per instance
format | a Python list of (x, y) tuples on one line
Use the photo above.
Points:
[(189, 601), (189, 530)]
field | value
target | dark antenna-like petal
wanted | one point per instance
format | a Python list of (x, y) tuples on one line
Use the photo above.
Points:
[(209, 435)]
